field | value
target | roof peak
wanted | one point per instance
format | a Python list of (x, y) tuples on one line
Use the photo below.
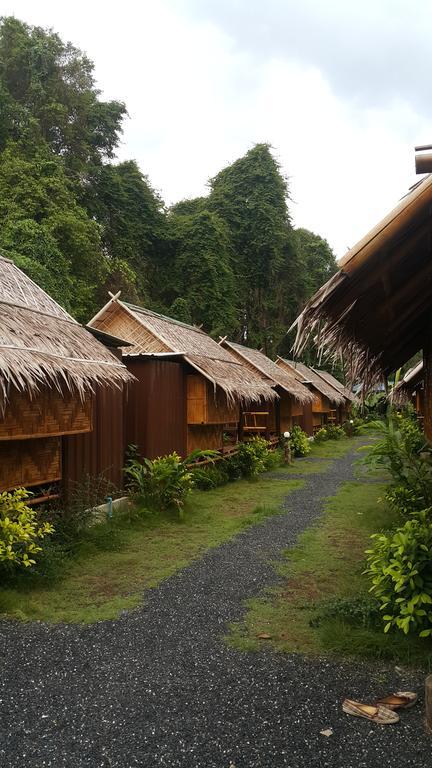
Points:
[(152, 313)]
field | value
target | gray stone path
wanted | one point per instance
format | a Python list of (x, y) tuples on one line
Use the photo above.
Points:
[(159, 687)]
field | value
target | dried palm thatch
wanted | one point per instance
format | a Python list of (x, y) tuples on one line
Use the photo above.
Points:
[(309, 376), (270, 371), (333, 381), (374, 312), (403, 391), (41, 345), (149, 333)]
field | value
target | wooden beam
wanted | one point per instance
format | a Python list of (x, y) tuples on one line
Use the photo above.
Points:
[(427, 368)]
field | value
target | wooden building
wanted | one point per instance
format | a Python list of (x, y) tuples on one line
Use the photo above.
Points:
[(376, 310), (271, 418), (410, 390), (189, 389), (53, 377), (328, 404)]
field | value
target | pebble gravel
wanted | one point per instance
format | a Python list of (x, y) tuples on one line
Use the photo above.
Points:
[(159, 687)]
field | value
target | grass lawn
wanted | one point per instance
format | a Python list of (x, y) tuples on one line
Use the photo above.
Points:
[(300, 614), (112, 566)]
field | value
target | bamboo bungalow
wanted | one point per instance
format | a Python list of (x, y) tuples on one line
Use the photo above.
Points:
[(411, 390), (328, 402), (272, 418), (50, 369), (376, 311), (349, 397), (189, 388)]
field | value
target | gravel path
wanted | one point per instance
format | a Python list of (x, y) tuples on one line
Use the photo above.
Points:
[(158, 687)]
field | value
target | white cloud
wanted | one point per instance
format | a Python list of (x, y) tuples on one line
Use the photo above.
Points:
[(197, 100)]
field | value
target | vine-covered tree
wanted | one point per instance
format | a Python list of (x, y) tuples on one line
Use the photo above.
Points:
[(202, 274), (80, 224), (251, 197), (133, 227)]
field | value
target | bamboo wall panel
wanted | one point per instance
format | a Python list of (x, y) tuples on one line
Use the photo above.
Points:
[(100, 452), (48, 413), (218, 410), (196, 399), (204, 407), (119, 322), (205, 437), (321, 404), (29, 462), (317, 419)]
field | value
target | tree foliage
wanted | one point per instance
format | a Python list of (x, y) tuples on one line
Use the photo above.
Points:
[(80, 224)]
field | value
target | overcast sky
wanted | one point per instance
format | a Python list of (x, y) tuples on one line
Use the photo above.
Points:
[(339, 89)]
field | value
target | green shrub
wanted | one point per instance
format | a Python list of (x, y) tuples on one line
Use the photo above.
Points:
[(21, 533), (206, 478), (162, 483), (252, 456), (399, 453), (406, 501), (321, 435), (399, 566), (334, 432), (299, 442), (274, 459)]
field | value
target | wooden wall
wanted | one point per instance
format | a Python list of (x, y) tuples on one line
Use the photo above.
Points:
[(100, 452), (155, 407), (205, 437)]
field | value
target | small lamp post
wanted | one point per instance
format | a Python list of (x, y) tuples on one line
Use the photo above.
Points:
[(287, 447)]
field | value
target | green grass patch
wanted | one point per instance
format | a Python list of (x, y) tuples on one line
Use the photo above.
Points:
[(335, 449), (323, 605), (112, 565), (303, 467)]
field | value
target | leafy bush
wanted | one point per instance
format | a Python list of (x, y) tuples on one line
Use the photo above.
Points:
[(252, 456), (399, 566), (274, 459), (399, 452), (21, 533), (321, 435), (405, 500), (162, 483), (334, 432), (206, 478), (299, 442)]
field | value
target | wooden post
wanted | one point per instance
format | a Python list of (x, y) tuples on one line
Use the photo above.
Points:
[(428, 703), (427, 372)]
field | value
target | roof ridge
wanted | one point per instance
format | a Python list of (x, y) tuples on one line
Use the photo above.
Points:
[(152, 313)]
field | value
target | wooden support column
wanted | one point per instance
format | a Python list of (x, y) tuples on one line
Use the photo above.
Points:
[(428, 703), (427, 370)]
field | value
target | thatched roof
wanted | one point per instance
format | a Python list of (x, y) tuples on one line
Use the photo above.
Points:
[(150, 333), (336, 384), (374, 312), (413, 379), (40, 344), (309, 376), (270, 371)]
